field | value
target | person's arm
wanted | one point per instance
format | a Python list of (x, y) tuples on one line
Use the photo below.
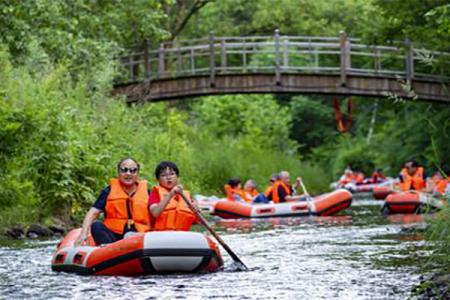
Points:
[(157, 208), (90, 217), (296, 184)]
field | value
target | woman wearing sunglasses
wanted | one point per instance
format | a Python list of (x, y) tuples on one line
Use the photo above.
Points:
[(124, 203)]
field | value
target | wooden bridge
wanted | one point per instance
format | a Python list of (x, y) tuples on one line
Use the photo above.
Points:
[(284, 64)]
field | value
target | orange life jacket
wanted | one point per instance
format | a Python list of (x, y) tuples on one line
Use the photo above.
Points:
[(268, 192), (252, 193), (275, 195), (347, 178), (441, 185), (359, 178), (415, 181), (176, 216), (119, 204), (235, 191)]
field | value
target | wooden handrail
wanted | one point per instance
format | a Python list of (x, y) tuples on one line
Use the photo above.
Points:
[(280, 53)]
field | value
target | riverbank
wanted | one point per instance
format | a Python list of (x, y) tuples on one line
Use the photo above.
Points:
[(436, 286)]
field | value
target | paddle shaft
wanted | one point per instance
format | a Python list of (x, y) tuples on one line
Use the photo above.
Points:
[(216, 236), (308, 197), (304, 189)]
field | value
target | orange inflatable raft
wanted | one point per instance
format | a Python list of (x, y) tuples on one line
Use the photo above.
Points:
[(411, 203), (322, 205), (140, 254), (381, 192)]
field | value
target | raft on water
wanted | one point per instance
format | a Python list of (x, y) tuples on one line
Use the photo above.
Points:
[(141, 254), (322, 205), (411, 203), (381, 192)]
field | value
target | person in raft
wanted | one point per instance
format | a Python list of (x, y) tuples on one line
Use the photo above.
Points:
[(266, 196), (124, 204), (168, 210), (412, 177), (377, 176), (233, 190), (250, 191), (283, 191)]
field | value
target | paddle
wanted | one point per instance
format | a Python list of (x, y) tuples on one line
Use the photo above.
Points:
[(308, 196), (202, 219)]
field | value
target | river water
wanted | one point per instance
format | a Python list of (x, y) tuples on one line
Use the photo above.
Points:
[(357, 255)]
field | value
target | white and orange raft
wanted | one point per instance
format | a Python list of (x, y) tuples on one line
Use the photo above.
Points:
[(322, 205), (411, 203), (140, 254)]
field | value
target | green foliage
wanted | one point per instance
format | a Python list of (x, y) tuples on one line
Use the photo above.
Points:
[(438, 232), (313, 122), (258, 118), (292, 17), (84, 34)]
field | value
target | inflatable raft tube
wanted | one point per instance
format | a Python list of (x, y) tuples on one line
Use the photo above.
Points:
[(322, 205), (141, 254), (381, 192), (411, 203)]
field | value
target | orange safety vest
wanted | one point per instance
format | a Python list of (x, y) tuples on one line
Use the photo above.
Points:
[(119, 204), (441, 185), (176, 216), (275, 196), (416, 181), (268, 192), (359, 178), (249, 195), (347, 178), (231, 192)]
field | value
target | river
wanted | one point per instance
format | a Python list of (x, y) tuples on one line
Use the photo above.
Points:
[(357, 255)]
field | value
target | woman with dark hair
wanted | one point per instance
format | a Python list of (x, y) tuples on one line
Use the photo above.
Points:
[(124, 204), (168, 211)]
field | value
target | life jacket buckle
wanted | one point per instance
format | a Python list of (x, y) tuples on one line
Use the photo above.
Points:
[(130, 222)]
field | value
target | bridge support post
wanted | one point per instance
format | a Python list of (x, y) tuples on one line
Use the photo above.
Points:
[(146, 61), (345, 57), (223, 56), (161, 66), (277, 57), (409, 60), (212, 62)]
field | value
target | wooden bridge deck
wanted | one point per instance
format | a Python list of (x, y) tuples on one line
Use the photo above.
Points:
[(282, 64)]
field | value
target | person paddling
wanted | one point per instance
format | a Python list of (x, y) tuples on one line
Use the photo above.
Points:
[(124, 203), (168, 211), (283, 191)]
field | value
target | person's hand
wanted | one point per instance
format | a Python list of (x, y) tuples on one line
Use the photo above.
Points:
[(80, 240), (178, 189)]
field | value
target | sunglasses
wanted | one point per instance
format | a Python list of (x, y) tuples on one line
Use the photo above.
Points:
[(126, 170)]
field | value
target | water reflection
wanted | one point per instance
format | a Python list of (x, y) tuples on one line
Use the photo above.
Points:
[(249, 225)]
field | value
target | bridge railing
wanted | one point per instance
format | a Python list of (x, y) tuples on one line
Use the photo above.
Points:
[(280, 54)]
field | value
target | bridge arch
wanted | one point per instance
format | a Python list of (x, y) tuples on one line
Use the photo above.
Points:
[(284, 64)]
